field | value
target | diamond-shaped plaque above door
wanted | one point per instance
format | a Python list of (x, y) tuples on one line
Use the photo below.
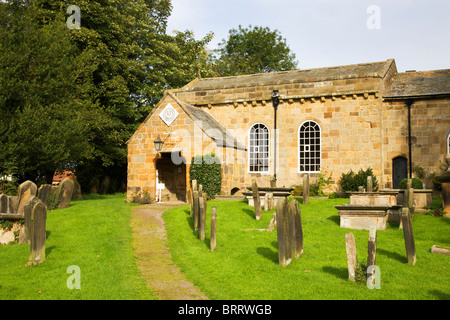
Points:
[(168, 115)]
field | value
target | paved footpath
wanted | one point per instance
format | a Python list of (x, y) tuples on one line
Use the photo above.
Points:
[(154, 260)]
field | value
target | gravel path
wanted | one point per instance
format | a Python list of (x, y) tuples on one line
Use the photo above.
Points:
[(154, 260)]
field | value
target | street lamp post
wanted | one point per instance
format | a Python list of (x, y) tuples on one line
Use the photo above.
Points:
[(275, 103)]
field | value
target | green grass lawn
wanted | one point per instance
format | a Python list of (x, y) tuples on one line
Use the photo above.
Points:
[(93, 234), (245, 263)]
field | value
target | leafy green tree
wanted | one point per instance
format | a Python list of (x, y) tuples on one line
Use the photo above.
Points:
[(71, 98), (253, 50)]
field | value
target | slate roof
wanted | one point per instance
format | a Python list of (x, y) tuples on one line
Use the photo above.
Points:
[(419, 84), (363, 70), (210, 126)]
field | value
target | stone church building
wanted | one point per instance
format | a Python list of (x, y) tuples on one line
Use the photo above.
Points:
[(328, 119)]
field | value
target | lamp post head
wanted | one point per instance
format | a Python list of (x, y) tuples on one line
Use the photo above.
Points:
[(275, 98), (158, 144)]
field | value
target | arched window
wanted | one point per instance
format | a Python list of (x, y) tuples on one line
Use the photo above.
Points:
[(309, 147), (258, 141)]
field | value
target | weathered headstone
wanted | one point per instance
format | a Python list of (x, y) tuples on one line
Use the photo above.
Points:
[(28, 211), (213, 228), (294, 207), (352, 259), (305, 188), (3, 203), (409, 236), (281, 233), (65, 193), (105, 185), (369, 184), (372, 247), (202, 216), (44, 191), (289, 231), (266, 201), (94, 185), (189, 197), (196, 209), (25, 191), (13, 203), (76, 195), (271, 201), (38, 233), (256, 201), (440, 250), (272, 223), (194, 185)]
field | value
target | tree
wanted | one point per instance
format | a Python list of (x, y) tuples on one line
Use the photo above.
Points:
[(71, 98), (253, 50)]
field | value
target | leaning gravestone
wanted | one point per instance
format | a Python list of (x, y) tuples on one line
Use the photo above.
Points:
[(305, 188), (352, 259), (26, 191), (213, 228), (3, 203), (289, 231), (44, 191), (409, 236), (28, 211), (65, 193), (256, 201), (13, 203), (37, 234)]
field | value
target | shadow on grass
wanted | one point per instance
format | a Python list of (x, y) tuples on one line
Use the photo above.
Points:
[(440, 295), (250, 212), (336, 219), (341, 273), (392, 255), (268, 253)]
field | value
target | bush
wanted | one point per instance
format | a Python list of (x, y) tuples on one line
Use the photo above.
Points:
[(416, 183), (351, 181), (207, 171)]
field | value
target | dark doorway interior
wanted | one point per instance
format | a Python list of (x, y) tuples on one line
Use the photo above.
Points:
[(172, 172), (399, 170)]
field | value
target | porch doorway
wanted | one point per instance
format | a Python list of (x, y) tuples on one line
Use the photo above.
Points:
[(172, 175)]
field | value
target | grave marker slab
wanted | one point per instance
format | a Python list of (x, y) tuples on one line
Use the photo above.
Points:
[(256, 201), (38, 233), (25, 191), (213, 228), (409, 236), (352, 258), (305, 189)]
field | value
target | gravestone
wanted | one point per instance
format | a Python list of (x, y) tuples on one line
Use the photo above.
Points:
[(294, 208), (305, 188), (213, 228), (256, 201), (76, 195), (266, 201), (65, 192), (202, 216), (189, 196), (196, 209), (194, 185), (289, 231), (352, 258), (3, 203), (25, 192), (38, 233), (281, 233), (271, 201), (28, 211), (94, 185), (44, 191), (409, 236), (369, 184), (13, 203), (372, 247), (105, 185)]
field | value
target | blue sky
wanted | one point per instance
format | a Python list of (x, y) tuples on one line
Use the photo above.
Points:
[(324, 33)]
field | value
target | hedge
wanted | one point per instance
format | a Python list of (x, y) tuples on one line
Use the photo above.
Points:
[(207, 170)]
